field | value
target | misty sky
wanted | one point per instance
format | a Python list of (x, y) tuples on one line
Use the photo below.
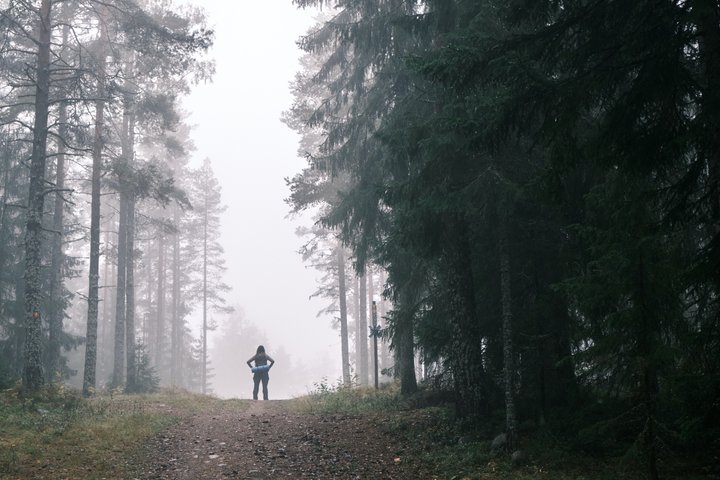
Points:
[(237, 125)]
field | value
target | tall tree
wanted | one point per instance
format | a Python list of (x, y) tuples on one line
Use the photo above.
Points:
[(32, 368), (211, 288), (89, 379), (56, 291)]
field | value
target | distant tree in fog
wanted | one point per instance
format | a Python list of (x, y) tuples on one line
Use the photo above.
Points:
[(210, 287)]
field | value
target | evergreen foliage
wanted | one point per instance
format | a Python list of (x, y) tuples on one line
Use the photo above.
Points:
[(540, 182), (146, 378)]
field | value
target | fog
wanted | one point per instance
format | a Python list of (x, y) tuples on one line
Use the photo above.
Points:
[(237, 126)]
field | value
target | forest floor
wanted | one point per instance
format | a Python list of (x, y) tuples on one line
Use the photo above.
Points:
[(272, 440), (346, 434)]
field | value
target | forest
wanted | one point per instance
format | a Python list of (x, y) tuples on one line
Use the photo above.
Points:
[(540, 183), (98, 199), (530, 188)]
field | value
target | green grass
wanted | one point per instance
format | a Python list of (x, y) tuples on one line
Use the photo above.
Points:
[(326, 399), (59, 434)]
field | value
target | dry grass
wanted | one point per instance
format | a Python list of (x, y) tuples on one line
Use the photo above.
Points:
[(58, 434)]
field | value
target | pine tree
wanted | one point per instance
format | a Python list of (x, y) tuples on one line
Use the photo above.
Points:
[(210, 287)]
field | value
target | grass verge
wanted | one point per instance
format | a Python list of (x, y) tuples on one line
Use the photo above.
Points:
[(59, 434)]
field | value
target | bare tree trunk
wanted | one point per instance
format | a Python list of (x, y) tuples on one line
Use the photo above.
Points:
[(358, 333), (89, 380), (129, 157), (508, 352), (205, 293), (344, 347), (120, 292), (105, 318), (32, 378), (175, 335), (130, 297), (363, 370), (57, 257), (148, 296), (160, 325)]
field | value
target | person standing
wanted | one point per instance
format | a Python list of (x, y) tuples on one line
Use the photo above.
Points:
[(261, 359)]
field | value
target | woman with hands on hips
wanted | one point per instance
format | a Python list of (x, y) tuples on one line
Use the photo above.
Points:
[(260, 371)]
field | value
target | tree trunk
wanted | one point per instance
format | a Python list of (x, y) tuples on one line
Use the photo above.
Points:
[(160, 325), (647, 349), (176, 327), (120, 292), (57, 302), (507, 331), (358, 333), (344, 347), (148, 298), (406, 354), (32, 377), (205, 294), (466, 362), (363, 370), (372, 341), (89, 380), (130, 297), (129, 157)]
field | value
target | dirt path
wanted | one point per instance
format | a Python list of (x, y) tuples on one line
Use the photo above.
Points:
[(268, 441)]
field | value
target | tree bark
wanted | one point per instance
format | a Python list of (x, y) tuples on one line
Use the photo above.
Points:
[(344, 347), (406, 354), (356, 317), (120, 292), (130, 297), (363, 370), (89, 380), (160, 324), (176, 329), (205, 294), (370, 298), (129, 157), (109, 272), (647, 349), (507, 331), (32, 378), (57, 314)]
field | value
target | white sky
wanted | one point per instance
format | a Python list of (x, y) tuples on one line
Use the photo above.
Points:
[(237, 125)]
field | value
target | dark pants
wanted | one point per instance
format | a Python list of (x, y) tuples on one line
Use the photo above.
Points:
[(257, 378)]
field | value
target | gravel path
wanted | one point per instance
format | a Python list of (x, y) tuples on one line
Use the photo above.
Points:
[(269, 441)]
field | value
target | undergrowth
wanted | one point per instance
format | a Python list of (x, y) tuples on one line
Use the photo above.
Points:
[(428, 431), (350, 399)]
